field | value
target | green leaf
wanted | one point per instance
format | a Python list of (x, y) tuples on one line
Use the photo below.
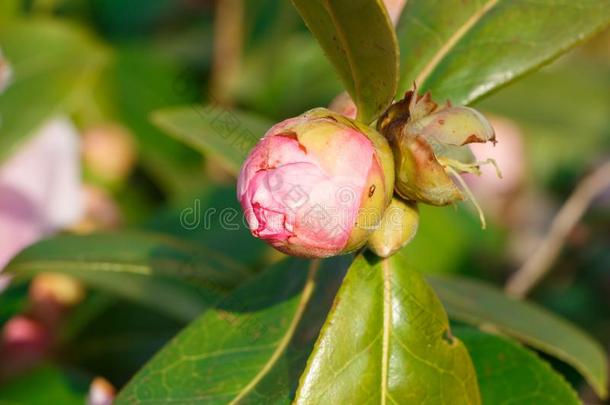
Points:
[(479, 304), (164, 273), (463, 50), (387, 340), (360, 41), (215, 130), (53, 65), (249, 350), (509, 373), (44, 385)]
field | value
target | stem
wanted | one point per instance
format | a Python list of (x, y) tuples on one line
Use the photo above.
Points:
[(228, 42), (540, 262)]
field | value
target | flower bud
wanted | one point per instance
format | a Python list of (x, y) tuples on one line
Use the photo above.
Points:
[(429, 144), (397, 228), (317, 185)]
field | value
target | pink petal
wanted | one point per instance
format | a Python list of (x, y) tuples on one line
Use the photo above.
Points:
[(40, 188)]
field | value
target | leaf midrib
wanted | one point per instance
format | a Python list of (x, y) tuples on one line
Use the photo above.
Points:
[(306, 295), (452, 41), (387, 328), (102, 266)]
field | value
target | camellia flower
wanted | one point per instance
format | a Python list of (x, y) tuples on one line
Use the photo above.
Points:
[(317, 185)]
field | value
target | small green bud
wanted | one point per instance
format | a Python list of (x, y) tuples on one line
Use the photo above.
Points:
[(397, 228)]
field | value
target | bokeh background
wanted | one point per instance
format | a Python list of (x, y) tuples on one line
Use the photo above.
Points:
[(103, 165)]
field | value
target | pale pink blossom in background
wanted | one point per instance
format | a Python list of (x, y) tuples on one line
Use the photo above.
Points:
[(6, 73), (501, 198), (509, 154), (101, 392), (394, 8), (40, 188)]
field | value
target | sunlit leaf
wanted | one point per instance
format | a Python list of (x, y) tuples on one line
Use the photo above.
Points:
[(249, 350), (480, 304), (359, 39), (510, 374), (224, 133), (387, 340), (462, 50)]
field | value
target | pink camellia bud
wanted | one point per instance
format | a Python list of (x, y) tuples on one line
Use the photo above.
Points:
[(317, 185)]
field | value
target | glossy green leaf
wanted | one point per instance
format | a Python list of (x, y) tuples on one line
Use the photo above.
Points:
[(215, 130), (510, 374), (359, 39), (249, 350), (462, 50), (167, 274), (387, 340), (479, 304), (53, 64)]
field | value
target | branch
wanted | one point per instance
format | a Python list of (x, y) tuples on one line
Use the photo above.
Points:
[(540, 262)]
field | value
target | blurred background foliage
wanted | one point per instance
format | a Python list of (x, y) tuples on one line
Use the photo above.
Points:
[(154, 54)]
